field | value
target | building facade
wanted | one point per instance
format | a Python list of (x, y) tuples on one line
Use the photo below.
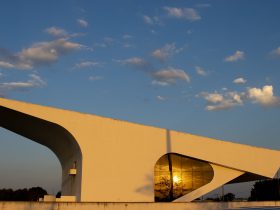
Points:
[(108, 160)]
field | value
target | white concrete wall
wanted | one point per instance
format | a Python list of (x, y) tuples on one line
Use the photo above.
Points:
[(134, 206)]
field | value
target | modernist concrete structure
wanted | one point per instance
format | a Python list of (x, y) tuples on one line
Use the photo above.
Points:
[(108, 160)]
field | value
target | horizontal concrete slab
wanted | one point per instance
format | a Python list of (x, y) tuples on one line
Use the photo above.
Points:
[(134, 205)]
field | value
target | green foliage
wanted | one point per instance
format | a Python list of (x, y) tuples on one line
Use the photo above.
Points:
[(32, 194), (266, 190)]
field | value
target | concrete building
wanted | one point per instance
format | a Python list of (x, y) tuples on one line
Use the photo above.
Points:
[(108, 160)]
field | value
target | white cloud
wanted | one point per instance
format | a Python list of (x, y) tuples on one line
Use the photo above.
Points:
[(166, 51), (127, 45), (221, 101), (106, 42), (226, 100), (95, 78), (41, 53), (34, 81), (276, 52), (263, 96), (160, 83), (200, 71), (61, 33), (127, 36), (56, 32), (161, 98), (134, 62), (147, 19), (48, 51), (169, 76), (86, 64), (151, 20), (238, 55), (82, 23), (189, 14), (239, 80), (213, 97), (6, 65)]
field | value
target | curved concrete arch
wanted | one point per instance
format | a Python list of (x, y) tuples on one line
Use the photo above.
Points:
[(53, 136)]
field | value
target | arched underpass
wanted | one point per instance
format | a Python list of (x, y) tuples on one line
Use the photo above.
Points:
[(54, 137), (26, 164)]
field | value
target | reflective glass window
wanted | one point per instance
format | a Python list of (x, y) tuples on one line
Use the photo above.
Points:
[(177, 175)]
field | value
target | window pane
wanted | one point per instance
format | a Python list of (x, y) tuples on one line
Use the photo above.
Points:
[(188, 174)]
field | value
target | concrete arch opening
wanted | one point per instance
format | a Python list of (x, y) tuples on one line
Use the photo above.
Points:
[(26, 164), (54, 137)]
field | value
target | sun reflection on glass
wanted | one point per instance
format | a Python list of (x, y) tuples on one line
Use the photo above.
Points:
[(176, 179)]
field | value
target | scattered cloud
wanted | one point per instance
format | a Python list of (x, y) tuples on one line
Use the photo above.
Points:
[(166, 51), (228, 99), (276, 52), (109, 40), (83, 23), (239, 80), (135, 62), (61, 33), (238, 55), (128, 45), (189, 31), (56, 32), (103, 45), (95, 78), (221, 101), (200, 71), (127, 39), (86, 64), (106, 42), (169, 76), (161, 98), (213, 97), (6, 65), (189, 14), (33, 82), (148, 20), (47, 52), (152, 20), (263, 96), (153, 32), (41, 53), (127, 36)]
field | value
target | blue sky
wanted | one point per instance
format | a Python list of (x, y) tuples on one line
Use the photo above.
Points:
[(209, 68)]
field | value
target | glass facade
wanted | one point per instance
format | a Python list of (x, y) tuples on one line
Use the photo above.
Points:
[(187, 174)]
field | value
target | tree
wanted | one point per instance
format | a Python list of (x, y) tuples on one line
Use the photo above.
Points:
[(228, 197), (32, 194), (265, 190), (35, 193)]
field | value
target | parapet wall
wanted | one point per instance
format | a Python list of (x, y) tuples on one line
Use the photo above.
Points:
[(134, 206)]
